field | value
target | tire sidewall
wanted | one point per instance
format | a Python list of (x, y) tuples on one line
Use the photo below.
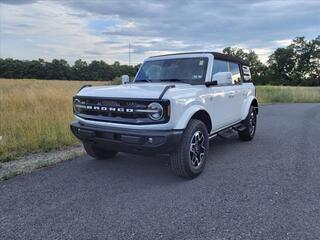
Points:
[(187, 138), (252, 110)]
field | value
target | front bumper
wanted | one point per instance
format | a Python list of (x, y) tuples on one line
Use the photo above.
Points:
[(128, 140)]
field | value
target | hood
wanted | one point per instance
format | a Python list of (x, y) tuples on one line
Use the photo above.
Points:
[(131, 90)]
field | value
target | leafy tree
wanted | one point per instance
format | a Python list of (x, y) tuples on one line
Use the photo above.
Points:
[(314, 71), (58, 69), (101, 71), (296, 64), (80, 70), (257, 68), (282, 65)]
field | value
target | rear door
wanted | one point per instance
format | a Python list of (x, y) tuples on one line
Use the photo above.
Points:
[(238, 93)]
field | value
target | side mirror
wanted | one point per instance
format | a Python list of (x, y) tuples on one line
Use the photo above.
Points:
[(222, 78), (125, 79)]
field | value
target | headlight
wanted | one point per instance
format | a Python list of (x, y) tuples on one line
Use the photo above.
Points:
[(76, 103), (155, 111)]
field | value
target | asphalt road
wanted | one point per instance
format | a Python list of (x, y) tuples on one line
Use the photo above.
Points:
[(265, 189)]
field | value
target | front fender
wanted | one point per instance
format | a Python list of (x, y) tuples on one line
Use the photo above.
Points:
[(187, 115), (246, 106)]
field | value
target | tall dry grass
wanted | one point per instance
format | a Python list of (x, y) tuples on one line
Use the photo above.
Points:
[(286, 94), (35, 115)]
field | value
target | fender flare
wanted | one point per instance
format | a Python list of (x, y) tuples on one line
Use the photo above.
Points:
[(187, 115), (246, 106)]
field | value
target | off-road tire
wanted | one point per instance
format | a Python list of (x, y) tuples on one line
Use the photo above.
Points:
[(98, 152), (251, 125), (183, 160)]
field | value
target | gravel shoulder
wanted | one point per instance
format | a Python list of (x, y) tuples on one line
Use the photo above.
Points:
[(33, 161)]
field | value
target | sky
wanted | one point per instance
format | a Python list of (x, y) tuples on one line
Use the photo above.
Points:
[(102, 29)]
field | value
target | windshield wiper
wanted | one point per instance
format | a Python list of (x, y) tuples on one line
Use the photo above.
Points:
[(143, 80), (174, 80)]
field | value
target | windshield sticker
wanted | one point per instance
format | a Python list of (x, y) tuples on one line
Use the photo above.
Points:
[(201, 62), (195, 77)]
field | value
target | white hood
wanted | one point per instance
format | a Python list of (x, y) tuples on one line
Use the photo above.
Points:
[(131, 90)]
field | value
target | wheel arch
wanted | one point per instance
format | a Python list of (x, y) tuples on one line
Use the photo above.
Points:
[(254, 103), (203, 116), (250, 101), (195, 112)]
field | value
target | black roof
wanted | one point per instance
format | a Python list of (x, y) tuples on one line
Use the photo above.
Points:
[(216, 55)]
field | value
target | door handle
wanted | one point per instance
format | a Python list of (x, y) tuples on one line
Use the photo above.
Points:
[(231, 94)]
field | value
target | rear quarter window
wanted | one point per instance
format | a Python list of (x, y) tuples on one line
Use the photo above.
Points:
[(235, 71), (246, 74)]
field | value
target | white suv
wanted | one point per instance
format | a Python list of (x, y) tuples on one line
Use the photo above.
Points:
[(175, 104)]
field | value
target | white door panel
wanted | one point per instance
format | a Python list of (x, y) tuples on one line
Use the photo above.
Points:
[(222, 101), (236, 101)]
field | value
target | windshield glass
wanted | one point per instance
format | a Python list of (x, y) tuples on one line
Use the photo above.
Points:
[(189, 70)]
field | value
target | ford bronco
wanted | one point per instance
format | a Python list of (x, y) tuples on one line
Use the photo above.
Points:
[(175, 105)]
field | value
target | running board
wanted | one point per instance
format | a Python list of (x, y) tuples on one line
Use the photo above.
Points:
[(239, 127), (229, 131), (213, 136), (226, 133)]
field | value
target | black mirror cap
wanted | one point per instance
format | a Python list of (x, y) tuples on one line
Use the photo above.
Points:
[(212, 83)]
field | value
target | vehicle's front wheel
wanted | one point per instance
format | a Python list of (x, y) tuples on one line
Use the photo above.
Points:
[(189, 159), (251, 124), (98, 152)]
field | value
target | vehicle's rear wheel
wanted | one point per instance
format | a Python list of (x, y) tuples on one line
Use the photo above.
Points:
[(251, 124), (189, 159), (98, 152)]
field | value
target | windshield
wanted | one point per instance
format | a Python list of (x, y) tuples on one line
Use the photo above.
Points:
[(189, 70)]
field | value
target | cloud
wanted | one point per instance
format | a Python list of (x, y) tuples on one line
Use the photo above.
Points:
[(17, 2), (72, 29), (283, 42)]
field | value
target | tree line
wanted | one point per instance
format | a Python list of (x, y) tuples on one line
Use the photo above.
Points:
[(60, 69), (298, 64), (295, 65)]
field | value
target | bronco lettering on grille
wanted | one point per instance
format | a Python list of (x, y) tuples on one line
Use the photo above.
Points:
[(104, 108)]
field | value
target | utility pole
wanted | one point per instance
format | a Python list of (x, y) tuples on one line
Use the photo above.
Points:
[(129, 54)]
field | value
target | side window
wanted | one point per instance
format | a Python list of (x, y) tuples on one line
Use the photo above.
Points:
[(220, 66), (235, 71)]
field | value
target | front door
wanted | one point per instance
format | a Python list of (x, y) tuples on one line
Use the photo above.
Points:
[(226, 99)]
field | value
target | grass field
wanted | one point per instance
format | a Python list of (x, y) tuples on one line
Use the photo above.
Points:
[(35, 114), (282, 94)]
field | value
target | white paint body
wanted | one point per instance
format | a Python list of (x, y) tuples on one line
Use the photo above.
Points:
[(226, 105)]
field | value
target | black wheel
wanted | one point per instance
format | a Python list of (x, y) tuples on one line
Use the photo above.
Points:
[(251, 124), (97, 152), (190, 157)]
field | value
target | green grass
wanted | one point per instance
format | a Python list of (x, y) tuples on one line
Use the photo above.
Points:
[(285, 94)]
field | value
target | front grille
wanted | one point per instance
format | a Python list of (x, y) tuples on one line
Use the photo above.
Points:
[(116, 110)]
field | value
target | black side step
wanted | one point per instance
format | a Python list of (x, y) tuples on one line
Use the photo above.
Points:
[(226, 133), (239, 127)]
